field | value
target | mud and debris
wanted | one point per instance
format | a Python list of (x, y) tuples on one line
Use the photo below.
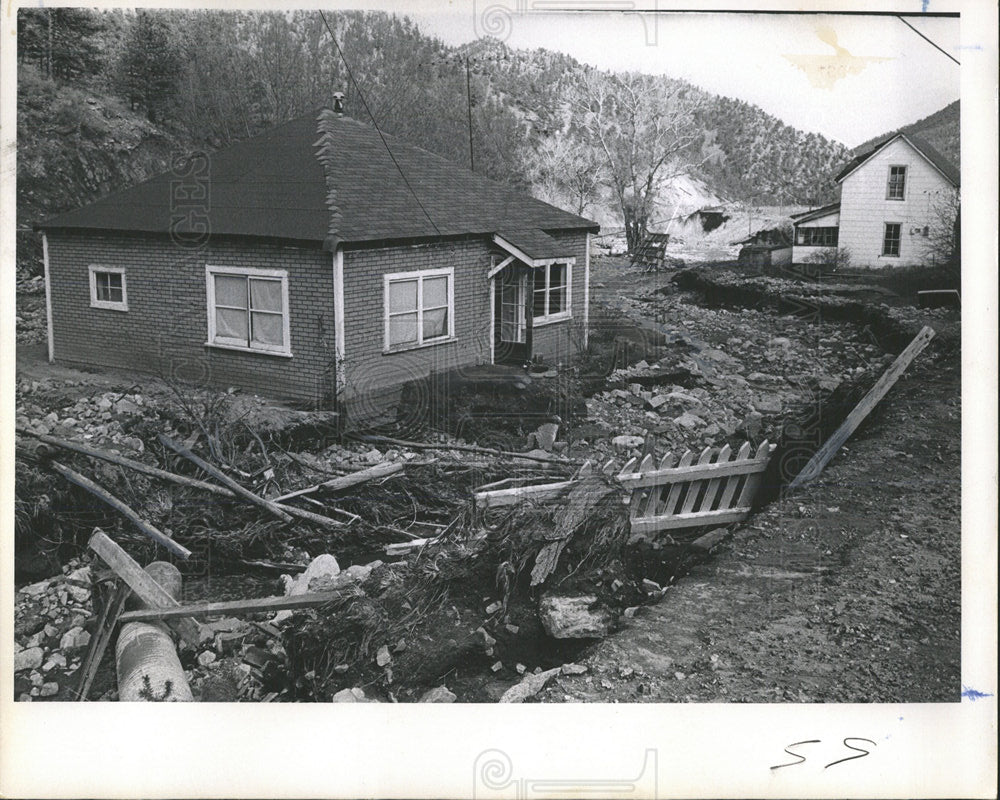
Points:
[(852, 580)]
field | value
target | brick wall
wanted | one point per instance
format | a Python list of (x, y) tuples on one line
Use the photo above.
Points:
[(373, 377), (166, 327), (559, 342)]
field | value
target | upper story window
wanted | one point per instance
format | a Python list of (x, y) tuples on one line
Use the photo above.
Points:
[(248, 309), (107, 288), (896, 189), (551, 301), (419, 308)]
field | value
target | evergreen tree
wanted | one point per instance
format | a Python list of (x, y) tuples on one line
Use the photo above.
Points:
[(150, 64)]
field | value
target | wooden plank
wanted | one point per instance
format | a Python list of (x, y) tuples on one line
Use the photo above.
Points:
[(382, 470), (675, 490), (712, 489), (126, 511), (139, 581), (137, 466), (651, 508), (224, 479), (232, 607), (639, 497), (520, 494), (695, 486), (695, 472), (693, 520), (728, 492), (754, 479), (882, 386), (110, 613)]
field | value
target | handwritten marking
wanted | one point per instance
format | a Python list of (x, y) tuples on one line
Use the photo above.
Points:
[(855, 749), (800, 758), (972, 695)]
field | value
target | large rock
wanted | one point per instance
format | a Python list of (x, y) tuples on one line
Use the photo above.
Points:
[(576, 617), (529, 687), (28, 659), (439, 694), (689, 421), (623, 443)]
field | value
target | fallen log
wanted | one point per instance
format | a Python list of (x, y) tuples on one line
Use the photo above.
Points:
[(140, 582), (336, 484), (232, 607), (224, 479), (126, 511), (146, 660), (181, 480), (882, 386), (122, 461)]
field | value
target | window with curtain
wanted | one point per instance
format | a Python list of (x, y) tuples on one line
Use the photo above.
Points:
[(248, 309), (419, 308)]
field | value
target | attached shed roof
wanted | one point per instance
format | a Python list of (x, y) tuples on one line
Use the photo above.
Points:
[(816, 213), (273, 186), (938, 161)]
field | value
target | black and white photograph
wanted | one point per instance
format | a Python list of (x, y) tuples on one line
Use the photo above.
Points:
[(488, 353)]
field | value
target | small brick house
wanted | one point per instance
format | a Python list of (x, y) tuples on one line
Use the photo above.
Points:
[(316, 263)]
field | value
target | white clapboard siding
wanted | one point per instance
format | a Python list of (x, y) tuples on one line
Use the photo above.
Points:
[(864, 208)]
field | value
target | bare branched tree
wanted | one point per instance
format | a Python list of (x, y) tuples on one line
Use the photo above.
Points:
[(567, 170), (943, 244), (646, 129)]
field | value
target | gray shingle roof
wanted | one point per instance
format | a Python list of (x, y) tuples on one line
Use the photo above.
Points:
[(273, 186), (949, 170)]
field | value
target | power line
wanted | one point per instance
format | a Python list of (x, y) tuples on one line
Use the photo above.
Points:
[(364, 102), (933, 44)]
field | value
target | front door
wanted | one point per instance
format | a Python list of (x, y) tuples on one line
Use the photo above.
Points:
[(512, 316)]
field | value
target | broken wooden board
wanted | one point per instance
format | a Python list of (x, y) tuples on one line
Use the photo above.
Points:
[(830, 447), (382, 470), (139, 581), (231, 607)]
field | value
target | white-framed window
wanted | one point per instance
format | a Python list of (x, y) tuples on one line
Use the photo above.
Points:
[(553, 285), (891, 238), (107, 288), (248, 309), (896, 187), (419, 308)]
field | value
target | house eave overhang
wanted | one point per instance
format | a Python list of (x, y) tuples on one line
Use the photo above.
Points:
[(532, 261)]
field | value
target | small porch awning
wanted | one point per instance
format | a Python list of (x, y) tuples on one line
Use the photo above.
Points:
[(534, 247), (825, 215)]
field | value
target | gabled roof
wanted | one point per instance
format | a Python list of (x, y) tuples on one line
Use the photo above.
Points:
[(816, 213), (273, 186), (938, 161)]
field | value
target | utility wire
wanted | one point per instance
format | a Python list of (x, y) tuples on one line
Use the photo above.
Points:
[(364, 102), (933, 44)]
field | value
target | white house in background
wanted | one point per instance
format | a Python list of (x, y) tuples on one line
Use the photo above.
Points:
[(890, 199)]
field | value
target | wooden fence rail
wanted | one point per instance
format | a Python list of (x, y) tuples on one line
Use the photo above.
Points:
[(714, 490)]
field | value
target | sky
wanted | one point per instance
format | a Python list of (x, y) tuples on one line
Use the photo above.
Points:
[(849, 78)]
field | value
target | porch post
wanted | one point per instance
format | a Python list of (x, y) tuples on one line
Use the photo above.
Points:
[(338, 314), (48, 299)]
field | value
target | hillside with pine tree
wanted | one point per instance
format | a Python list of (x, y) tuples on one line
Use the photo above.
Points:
[(106, 98)]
